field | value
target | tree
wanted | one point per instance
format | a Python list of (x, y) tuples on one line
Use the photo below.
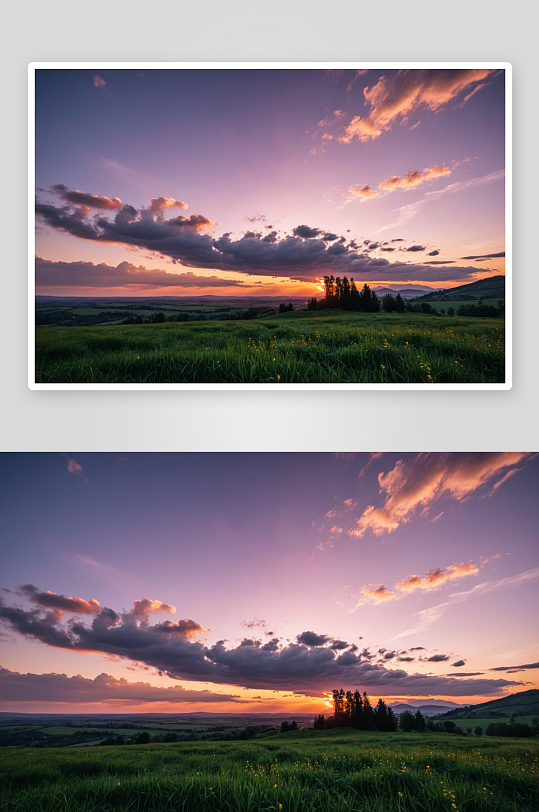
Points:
[(425, 307), (312, 304), (406, 721), (291, 306), (319, 722), (158, 318), (450, 311), (478, 730), (399, 302), (143, 738), (283, 308), (285, 727), (419, 722), (389, 304), (293, 725)]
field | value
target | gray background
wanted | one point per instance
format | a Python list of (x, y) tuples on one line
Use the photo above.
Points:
[(268, 30)]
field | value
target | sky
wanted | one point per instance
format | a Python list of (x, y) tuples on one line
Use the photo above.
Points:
[(259, 582), (262, 181)]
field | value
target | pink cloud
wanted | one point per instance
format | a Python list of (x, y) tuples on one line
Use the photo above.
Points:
[(87, 200), (159, 204), (146, 606), (415, 178), (434, 578), (99, 82), (377, 594), (409, 89), (426, 479), (361, 192), (73, 467)]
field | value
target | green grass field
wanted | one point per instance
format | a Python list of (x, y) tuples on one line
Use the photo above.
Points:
[(297, 347), (311, 771)]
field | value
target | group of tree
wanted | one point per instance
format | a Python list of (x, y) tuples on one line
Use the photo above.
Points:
[(343, 294), (287, 727), (353, 709), (287, 308)]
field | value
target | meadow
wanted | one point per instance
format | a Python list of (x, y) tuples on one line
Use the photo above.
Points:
[(312, 771), (295, 347)]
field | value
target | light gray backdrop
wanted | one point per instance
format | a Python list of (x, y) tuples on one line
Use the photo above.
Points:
[(267, 30)]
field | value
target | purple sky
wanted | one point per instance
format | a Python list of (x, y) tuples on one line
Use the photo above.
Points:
[(183, 182), (260, 581)]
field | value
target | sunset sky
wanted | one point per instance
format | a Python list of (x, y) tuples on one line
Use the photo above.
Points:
[(260, 182), (258, 582)]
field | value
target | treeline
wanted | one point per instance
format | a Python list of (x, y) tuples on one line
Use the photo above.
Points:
[(343, 294), (353, 709)]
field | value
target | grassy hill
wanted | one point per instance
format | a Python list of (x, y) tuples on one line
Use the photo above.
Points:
[(490, 290), (524, 703)]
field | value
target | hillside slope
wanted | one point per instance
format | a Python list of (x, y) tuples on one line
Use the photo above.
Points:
[(491, 288), (524, 703)]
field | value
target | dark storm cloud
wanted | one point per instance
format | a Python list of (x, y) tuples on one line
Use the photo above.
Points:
[(15, 687), (312, 639), (511, 667), (295, 666), (459, 663), (339, 645), (486, 256), (86, 274), (306, 232), (305, 254)]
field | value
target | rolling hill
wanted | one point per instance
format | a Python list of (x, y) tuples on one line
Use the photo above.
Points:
[(491, 288), (524, 703)]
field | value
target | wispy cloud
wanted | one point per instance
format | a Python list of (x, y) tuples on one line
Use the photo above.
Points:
[(405, 213), (427, 617), (426, 479)]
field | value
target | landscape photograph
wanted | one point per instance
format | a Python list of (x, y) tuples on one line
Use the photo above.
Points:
[(269, 631), (224, 225)]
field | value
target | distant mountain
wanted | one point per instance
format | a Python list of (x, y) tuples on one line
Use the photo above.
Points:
[(426, 710), (524, 703), (491, 288), (407, 293)]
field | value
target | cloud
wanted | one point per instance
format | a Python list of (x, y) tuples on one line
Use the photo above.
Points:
[(86, 200), (160, 204), (438, 658), (486, 256), (306, 232), (428, 478), (99, 82), (433, 253), (147, 606), (415, 248), (300, 666), (312, 639), (186, 628), (459, 663), (16, 687), (362, 192), (436, 577), (51, 600), (408, 90), (348, 504), (467, 674), (415, 178), (181, 239), (427, 617), (377, 594), (73, 467), (406, 213), (512, 667), (86, 274)]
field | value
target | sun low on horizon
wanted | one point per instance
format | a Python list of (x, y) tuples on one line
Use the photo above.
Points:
[(260, 182), (260, 582)]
